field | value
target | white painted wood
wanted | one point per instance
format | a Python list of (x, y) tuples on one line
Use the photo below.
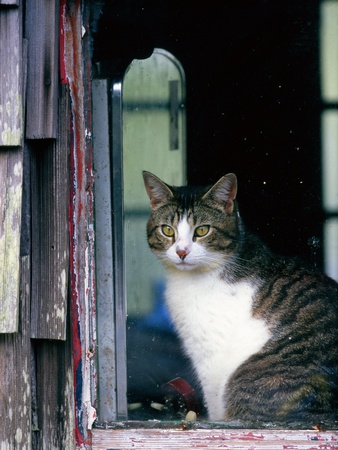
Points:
[(104, 253), (213, 439)]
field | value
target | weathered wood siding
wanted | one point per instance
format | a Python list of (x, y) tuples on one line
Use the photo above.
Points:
[(15, 378), (42, 33), (36, 362), (53, 406), (11, 79), (10, 223), (50, 240), (15, 349), (52, 368), (50, 171)]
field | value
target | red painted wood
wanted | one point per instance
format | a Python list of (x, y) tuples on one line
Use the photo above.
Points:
[(82, 266), (62, 62)]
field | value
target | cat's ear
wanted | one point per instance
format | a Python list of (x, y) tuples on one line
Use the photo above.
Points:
[(224, 192), (158, 192)]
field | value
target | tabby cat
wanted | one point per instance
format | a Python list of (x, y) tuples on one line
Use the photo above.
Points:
[(261, 330)]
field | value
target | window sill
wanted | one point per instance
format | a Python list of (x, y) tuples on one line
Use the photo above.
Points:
[(158, 435)]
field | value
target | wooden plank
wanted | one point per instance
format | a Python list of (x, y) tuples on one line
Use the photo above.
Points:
[(55, 399), (15, 391), (213, 438), (50, 240), (11, 102), (10, 224), (42, 19)]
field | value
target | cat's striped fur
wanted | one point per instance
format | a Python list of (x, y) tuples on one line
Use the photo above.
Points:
[(261, 330)]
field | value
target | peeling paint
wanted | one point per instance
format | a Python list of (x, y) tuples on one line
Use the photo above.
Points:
[(63, 284), (18, 436), (69, 407), (81, 216), (156, 438), (8, 108), (18, 169), (60, 313)]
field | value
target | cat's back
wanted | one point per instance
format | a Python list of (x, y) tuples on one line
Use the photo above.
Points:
[(292, 292)]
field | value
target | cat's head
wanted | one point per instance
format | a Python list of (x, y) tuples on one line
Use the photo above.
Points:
[(193, 228)]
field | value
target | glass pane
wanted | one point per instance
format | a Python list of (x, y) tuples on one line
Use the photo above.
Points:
[(153, 140)]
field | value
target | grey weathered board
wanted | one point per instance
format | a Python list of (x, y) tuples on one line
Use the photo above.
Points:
[(42, 19), (15, 379), (10, 223), (11, 80), (50, 242)]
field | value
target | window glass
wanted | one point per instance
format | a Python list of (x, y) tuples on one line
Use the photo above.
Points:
[(153, 140)]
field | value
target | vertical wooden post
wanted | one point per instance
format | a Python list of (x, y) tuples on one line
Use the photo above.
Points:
[(76, 61)]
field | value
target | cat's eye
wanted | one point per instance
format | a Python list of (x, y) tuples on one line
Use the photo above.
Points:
[(201, 231), (168, 230)]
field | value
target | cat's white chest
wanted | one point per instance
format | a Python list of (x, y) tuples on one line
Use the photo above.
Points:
[(215, 322)]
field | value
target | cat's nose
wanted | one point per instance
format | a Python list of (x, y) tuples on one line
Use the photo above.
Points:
[(182, 254)]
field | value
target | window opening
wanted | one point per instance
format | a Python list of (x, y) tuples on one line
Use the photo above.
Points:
[(114, 382)]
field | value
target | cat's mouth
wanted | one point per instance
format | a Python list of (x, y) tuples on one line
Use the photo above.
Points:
[(179, 264), (184, 265)]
